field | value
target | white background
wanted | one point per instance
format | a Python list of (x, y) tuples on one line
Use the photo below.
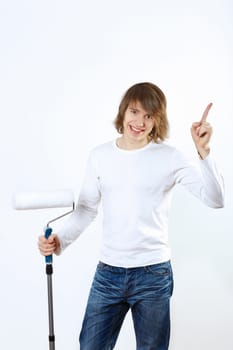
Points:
[(64, 67)]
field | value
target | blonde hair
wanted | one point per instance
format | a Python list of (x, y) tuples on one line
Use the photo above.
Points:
[(153, 101)]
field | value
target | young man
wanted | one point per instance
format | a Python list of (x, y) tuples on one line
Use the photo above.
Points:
[(134, 177)]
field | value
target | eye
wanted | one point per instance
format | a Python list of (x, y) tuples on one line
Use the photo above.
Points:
[(133, 111), (148, 116)]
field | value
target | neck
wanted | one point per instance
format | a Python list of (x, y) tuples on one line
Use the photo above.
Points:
[(127, 144)]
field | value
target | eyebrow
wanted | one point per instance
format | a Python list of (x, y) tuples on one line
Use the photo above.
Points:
[(135, 109), (138, 110)]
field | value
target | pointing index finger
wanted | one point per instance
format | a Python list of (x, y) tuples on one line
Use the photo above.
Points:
[(206, 112)]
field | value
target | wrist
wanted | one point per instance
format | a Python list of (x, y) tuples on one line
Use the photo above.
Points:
[(58, 246), (203, 152)]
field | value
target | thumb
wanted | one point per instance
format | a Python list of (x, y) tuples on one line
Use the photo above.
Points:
[(52, 238)]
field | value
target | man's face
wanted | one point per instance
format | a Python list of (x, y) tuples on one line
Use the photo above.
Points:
[(137, 123)]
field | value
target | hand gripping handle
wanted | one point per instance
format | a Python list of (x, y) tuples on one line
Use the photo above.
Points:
[(47, 233)]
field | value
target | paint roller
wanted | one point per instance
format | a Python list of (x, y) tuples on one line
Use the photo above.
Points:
[(45, 200)]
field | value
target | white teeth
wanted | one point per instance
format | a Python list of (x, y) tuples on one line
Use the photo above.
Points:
[(135, 129)]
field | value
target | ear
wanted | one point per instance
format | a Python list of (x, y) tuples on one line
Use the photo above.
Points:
[(120, 130)]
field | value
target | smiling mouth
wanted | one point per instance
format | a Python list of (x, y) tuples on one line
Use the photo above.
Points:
[(136, 130)]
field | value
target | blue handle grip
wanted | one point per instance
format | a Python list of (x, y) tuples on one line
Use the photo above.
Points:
[(47, 233)]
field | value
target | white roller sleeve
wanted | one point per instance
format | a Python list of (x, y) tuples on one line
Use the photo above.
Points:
[(42, 200)]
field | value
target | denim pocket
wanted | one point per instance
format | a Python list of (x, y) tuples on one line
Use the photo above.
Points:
[(160, 279), (103, 266), (163, 269)]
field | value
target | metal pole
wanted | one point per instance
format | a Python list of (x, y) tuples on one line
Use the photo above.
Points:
[(49, 272)]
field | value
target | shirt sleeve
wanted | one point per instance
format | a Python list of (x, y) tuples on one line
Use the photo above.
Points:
[(201, 178), (86, 208)]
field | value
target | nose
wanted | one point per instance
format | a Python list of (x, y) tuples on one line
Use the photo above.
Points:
[(140, 120)]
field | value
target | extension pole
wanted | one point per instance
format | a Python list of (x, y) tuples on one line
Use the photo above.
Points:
[(42, 200), (49, 272)]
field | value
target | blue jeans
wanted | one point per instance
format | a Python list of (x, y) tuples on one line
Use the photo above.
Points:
[(115, 290)]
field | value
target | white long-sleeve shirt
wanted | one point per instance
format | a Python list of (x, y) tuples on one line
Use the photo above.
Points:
[(135, 188)]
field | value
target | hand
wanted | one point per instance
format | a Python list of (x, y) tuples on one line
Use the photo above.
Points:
[(201, 133), (50, 245)]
